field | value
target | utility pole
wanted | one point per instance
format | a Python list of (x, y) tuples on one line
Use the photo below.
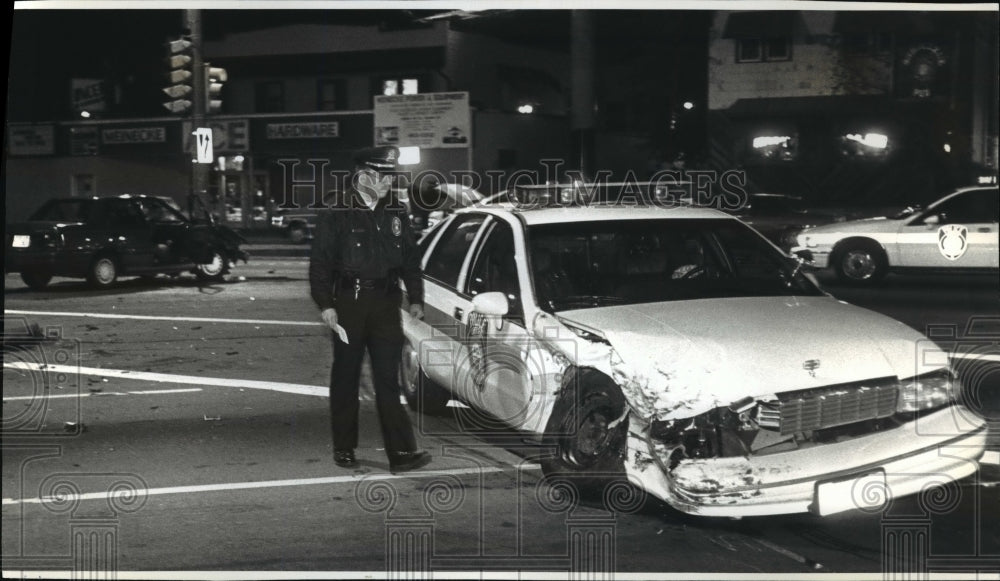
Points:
[(199, 171), (582, 63)]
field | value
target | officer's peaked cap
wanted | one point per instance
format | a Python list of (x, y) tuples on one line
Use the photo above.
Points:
[(378, 158)]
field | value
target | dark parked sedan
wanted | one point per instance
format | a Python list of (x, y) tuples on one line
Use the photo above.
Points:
[(781, 217), (101, 239)]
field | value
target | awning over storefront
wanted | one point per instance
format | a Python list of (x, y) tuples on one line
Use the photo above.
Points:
[(786, 107), (769, 24)]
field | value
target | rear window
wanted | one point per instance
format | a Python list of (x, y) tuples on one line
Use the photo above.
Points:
[(65, 211)]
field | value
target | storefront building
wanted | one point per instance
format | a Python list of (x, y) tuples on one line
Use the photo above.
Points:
[(850, 107)]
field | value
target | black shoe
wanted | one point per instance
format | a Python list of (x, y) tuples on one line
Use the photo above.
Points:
[(345, 458), (406, 461)]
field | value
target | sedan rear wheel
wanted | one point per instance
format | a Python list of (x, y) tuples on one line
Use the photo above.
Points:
[(297, 234), (103, 271), (36, 280), (422, 394)]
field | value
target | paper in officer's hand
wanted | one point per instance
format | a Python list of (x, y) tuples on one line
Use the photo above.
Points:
[(341, 333)]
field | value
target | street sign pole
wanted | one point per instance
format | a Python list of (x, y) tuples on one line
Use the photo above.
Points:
[(199, 171)]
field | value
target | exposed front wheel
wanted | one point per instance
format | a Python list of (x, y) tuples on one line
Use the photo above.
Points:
[(212, 270), (36, 280), (860, 263), (422, 394), (103, 271), (588, 432)]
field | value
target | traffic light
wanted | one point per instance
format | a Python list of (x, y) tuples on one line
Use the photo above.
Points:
[(214, 77), (179, 75)]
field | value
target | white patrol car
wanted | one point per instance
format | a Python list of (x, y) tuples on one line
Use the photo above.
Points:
[(959, 231), (677, 349)]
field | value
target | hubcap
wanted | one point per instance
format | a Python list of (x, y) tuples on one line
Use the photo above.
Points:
[(104, 271), (409, 369), (213, 268), (591, 438), (859, 264)]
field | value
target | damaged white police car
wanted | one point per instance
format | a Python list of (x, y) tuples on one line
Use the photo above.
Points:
[(678, 348)]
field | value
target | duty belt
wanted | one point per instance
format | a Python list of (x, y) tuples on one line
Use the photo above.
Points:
[(359, 284)]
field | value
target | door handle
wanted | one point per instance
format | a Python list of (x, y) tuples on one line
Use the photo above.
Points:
[(984, 229), (458, 313)]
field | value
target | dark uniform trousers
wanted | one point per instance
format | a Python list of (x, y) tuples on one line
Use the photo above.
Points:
[(372, 322)]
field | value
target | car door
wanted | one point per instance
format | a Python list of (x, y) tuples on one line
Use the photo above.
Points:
[(499, 379), (170, 232), (960, 231), (446, 306), (130, 234)]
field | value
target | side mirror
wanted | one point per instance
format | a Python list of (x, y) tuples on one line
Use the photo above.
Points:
[(490, 304), (932, 220)]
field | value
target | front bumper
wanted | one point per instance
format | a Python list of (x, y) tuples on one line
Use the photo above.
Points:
[(932, 450), (817, 257)]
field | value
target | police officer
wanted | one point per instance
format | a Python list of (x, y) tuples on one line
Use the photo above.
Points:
[(363, 246)]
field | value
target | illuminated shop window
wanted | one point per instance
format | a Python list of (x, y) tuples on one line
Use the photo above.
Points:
[(400, 86), (775, 147), (866, 144)]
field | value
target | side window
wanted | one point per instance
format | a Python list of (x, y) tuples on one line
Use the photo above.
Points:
[(158, 212), (445, 262), (986, 204), (969, 207), (495, 268), (124, 213)]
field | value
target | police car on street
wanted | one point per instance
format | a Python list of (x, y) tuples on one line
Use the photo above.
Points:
[(674, 350), (958, 232)]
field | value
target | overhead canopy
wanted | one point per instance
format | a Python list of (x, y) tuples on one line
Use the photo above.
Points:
[(785, 107)]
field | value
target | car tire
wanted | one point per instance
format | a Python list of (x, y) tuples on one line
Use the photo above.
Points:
[(297, 234), (36, 280), (212, 271), (103, 271), (423, 394), (860, 262), (585, 450)]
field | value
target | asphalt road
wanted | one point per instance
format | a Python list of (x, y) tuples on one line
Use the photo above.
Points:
[(193, 421)]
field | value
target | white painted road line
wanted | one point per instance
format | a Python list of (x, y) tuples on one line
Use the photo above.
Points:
[(321, 391), (162, 318), (102, 394), (264, 484)]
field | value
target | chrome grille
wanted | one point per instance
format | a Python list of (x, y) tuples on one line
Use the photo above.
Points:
[(834, 405)]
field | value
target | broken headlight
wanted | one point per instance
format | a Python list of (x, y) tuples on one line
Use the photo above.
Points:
[(723, 431), (927, 391)]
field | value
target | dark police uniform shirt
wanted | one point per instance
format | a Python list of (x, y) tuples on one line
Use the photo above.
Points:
[(354, 241)]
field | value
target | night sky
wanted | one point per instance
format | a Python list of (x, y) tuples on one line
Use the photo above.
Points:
[(126, 47)]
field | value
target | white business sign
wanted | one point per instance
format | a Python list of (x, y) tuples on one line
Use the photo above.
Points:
[(31, 139), (129, 135), (426, 120), (87, 94), (319, 130)]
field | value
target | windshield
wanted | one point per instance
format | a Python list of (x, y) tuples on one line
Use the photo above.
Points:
[(585, 264)]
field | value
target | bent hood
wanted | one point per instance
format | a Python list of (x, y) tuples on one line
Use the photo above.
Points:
[(680, 359)]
